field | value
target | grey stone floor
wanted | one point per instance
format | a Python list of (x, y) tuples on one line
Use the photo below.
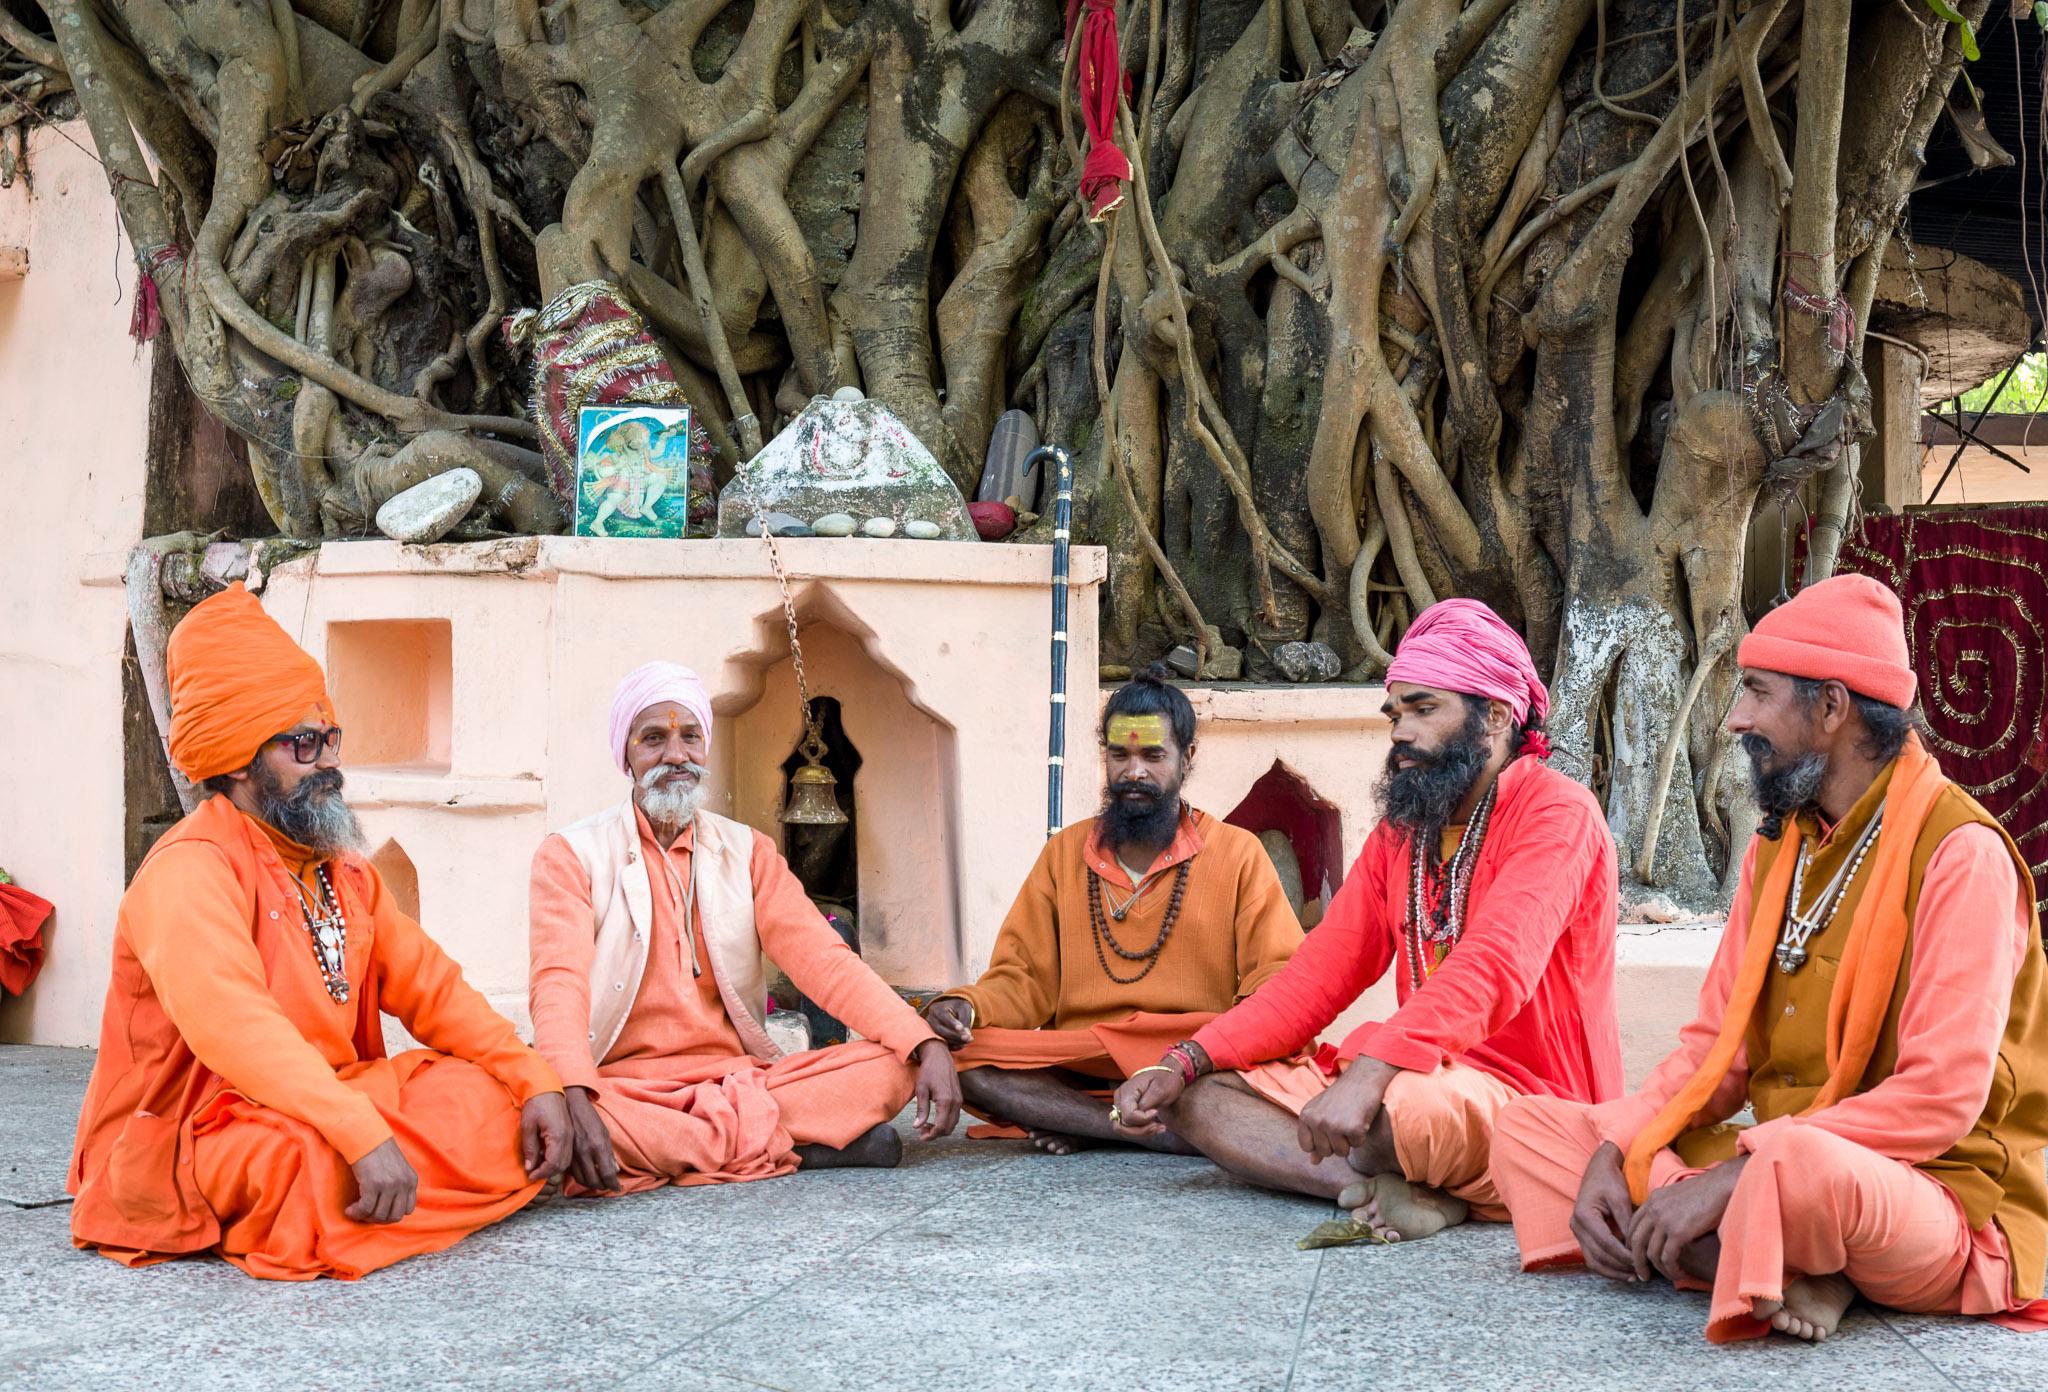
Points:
[(976, 1265)]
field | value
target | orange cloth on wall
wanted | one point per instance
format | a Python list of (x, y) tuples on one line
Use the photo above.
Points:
[(237, 679), (232, 1092), (684, 1101), (1235, 931), (1441, 1121), (1968, 941)]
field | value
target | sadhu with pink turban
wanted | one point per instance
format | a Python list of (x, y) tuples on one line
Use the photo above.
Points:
[(1879, 1004), (1488, 889), (649, 923), (242, 1102)]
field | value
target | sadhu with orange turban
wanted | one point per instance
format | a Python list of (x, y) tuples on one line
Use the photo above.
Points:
[(1488, 889), (242, 1102), (1879, 1002)]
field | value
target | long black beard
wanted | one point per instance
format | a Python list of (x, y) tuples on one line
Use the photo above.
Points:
[(1784, 791), (1421, 800), (1143, 821), (311, 814)]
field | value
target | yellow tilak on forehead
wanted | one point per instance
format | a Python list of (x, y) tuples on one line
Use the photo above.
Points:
[(1137, 730)]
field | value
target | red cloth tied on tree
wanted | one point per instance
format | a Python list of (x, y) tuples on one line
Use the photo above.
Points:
[(21, 937), (1101, 81)]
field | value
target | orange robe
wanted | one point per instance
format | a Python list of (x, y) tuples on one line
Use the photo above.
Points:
[(684, 1101), (1839, 1189), (1046, 1000), (232, 1093)]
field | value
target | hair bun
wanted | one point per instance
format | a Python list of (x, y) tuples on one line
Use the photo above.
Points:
[(1154, 674)]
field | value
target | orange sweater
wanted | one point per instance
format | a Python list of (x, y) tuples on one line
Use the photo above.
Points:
[(1234, 931), (215, 989)]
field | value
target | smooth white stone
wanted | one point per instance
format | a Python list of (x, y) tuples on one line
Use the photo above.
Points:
[(922, 530), (835, 524), (427, 511), (879, 526)]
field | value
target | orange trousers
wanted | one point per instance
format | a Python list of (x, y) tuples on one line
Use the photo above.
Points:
[(1442, 1122), (279, 1189), (746, 1123), (1808, 1203)]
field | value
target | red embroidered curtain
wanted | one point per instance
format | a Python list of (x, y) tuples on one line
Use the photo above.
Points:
[(1975, 589)]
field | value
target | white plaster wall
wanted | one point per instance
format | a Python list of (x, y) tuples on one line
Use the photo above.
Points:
[(74, 393)]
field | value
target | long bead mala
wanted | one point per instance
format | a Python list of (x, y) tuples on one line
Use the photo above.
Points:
[(328, 930), (1150, 955), (1439, 894)]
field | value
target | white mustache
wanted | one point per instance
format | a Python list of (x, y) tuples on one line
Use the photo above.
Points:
[(661, 773)]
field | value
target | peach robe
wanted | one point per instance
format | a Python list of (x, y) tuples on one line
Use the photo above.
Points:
[(1835, 1190), (684, 1101), (232, 1092)]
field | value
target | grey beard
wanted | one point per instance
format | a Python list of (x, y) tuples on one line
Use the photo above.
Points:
[(1788, 789), (311, 814), (670, 808)]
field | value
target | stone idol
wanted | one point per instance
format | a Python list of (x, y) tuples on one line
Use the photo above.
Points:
[(846, 466)]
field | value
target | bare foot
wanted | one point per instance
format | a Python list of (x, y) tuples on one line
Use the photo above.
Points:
[(1399, 1211), (1812, 1308), (878, 1148), (1060, 1143)]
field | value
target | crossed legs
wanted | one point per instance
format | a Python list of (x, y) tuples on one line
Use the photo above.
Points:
[(1059, 1117)]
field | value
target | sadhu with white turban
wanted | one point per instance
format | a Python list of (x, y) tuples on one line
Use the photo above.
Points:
[(649, 923), (1488, 888), (242, 1102)]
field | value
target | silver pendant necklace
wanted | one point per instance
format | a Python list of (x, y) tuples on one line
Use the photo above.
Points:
[(329, 932), (1799, 928)]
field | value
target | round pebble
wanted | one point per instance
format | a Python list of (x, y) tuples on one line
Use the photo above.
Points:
[(848, 394), (922, 530), (835, 524), (879, 526)]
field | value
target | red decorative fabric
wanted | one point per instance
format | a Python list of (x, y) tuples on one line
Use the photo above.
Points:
[(1101, 81), (1974, 586), (21, 937), (590, 348)]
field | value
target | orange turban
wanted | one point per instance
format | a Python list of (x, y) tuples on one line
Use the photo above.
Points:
[(236, 680), (1848, 629)]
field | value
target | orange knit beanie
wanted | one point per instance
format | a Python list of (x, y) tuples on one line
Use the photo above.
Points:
[(1849, 629)]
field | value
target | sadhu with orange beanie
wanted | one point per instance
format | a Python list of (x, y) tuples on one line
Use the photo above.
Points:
[(1880, 1004), (242, 1102)]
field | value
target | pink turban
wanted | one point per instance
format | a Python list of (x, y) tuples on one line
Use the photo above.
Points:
[(650, 685), (1461, 645)]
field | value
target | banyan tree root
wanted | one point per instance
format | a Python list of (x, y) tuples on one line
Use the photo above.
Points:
[(1524, 300)]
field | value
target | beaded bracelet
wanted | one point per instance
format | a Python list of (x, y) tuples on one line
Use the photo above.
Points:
[(1185, 1057)]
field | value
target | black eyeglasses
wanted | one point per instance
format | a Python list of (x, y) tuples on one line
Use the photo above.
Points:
[(306, 746)]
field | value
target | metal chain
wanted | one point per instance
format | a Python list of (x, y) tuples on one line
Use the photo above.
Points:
[(812, 735)]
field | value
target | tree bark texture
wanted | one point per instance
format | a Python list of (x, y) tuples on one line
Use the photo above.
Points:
[(1526, 300)]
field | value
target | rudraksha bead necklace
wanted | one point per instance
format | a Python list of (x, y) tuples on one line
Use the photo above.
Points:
[(1100, 929)]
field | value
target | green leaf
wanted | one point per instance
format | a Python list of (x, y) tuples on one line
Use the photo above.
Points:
[(2041, 13), (1954, 16)]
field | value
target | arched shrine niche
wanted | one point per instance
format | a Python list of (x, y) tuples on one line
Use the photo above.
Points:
[(1302, 832), (897, 766)]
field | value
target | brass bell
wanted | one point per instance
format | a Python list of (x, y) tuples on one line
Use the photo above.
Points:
[(812, 801)]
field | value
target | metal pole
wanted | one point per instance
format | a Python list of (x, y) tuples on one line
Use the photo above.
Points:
[(1062, 524)]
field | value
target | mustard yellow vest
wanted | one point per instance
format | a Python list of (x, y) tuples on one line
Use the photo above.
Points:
[(1996, 1170)]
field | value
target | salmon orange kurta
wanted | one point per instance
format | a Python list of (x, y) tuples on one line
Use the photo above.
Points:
[(1046, 999), (1838, 1189), (232, 1093), (683, 1099)]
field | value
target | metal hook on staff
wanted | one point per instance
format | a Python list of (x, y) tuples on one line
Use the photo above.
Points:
[(1062, 527)]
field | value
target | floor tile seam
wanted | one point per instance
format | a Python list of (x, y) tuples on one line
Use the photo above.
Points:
[(1910, 1342), (1307, 1308), (790, 1285)]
